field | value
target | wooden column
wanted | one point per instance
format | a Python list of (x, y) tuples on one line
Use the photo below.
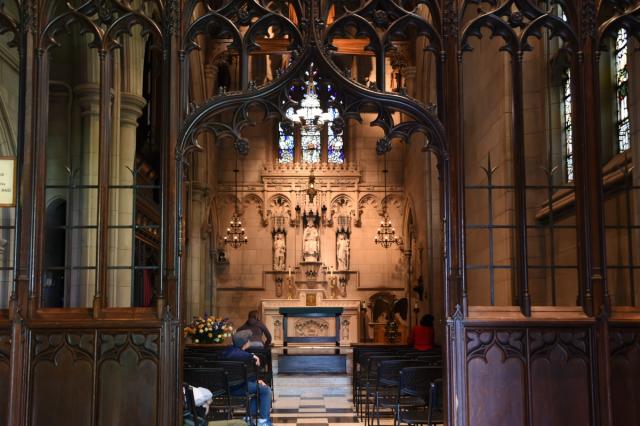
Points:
[(452, 196), (590, 201)]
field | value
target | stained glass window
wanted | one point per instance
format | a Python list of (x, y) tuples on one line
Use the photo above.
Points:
[(312, 121), (310, 142), (622, 91), (286, 143), (566, 125), (335, 145)]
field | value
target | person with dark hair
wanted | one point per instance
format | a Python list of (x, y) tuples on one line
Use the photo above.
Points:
[(258, 330), (237, 352), (421, 336)]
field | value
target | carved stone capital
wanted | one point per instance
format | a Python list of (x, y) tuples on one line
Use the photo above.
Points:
[(87, 96), (131, 108)]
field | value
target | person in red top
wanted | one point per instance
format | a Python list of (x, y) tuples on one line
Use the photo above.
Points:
[(421, 336)]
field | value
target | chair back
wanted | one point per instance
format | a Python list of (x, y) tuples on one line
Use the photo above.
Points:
[(389, 370), (191, 361), (236, 371), (363, 358), (214, 379), (431, 360), (374, 362), (416, 381)]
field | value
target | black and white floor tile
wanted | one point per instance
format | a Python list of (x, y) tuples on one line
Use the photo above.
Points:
[(314, 401)]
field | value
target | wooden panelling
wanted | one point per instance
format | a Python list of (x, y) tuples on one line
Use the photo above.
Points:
[(128, 379), (94, 377), (625, 375), (529, 375), (496, 377), (61, 382), (5, 352), (560, 377)]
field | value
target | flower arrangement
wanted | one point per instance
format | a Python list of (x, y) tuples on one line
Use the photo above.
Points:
[(208, 329)]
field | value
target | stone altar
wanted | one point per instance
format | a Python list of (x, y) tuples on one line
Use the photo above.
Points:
[(305, 327)]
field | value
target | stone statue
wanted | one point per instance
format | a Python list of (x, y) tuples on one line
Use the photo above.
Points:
[(311, 243), (279, 252), (342, 252)]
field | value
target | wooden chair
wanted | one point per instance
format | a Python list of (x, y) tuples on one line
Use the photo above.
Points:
[(373, 364), (214, 379), (387, 385), (420, 383), (238, 377)]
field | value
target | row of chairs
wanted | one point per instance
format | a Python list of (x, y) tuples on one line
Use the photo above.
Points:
[(405, 383), (220, 377), (195, 357)]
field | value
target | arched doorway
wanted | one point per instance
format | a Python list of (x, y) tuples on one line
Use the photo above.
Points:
[(222, 132)]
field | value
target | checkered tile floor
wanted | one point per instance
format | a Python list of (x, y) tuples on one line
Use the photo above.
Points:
[(314, 400), (319, 400)]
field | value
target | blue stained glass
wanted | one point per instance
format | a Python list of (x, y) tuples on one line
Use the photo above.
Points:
[(310, 142), (286, 145), (335, 146)]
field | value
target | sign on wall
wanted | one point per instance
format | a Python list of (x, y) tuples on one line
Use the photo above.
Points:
[(7, 181)]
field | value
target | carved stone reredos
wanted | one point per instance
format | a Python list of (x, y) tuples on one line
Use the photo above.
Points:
[(337, 177)]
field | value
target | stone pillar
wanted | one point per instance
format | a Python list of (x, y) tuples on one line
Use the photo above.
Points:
[(131, 108), (84, 202), (128, 107), (196, 255)]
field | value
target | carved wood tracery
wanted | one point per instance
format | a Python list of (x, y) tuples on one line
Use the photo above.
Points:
[(312, 36)]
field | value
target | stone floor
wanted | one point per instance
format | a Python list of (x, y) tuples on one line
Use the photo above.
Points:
[(318, 400), (314, 400)]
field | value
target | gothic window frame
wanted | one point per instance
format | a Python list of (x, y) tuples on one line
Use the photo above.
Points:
[(295, 153)]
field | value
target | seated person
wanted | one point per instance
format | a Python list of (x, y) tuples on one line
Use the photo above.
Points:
[(237, 352), (202, 398), (421, 336), (258, 329)]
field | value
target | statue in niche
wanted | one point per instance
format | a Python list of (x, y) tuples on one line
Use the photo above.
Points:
[(344, 333), (279, 252), (311, 243), (342, 252)]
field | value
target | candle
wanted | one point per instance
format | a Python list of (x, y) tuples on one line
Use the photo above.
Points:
[(415, 306), (289, 272)]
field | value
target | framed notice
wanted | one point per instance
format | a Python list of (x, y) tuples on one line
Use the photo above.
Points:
[(7, 181)]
